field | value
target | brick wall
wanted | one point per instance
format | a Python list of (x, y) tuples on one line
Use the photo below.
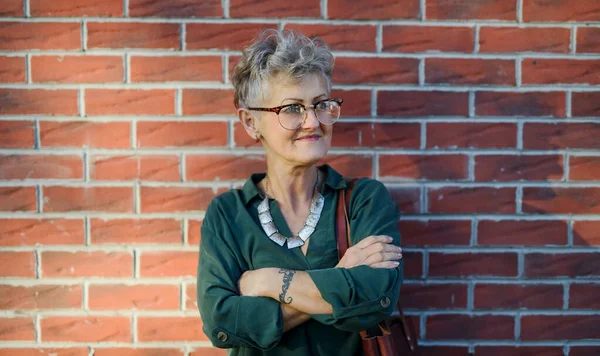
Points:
[(117, 128)]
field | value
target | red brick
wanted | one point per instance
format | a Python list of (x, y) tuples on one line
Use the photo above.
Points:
[(168, 264), (16, 134), (585, 104), (77, 69), (351, 165), (137, 297), (373, 10), (518, 167), (560, 71), (194, 234), (562, 264), (428, 167), (181, 134), (515, 39), (426, 350), (188, 68), (374, 135), (191, 297), (461, 327), (520, 104), (133, 35), (561, 135), (105, 199), (63, 351), (561, 200), (469, 71), (23, 232), (91, 8), (228, 36), (17, 264), (175, 8), (471, 10), (472, 264), (40, 297), (152, 168), (41, 167), (584, 168), (457, 200), (274, 8), (175, 199), (584, 350), (413, 265), (471, 135), (522, 233), (588, 40), (18, 199), (12, 69), (85, 134), (376, 71), (11, 8), (340, 37), (17, 328), (121, 351), (223, 167), (563, 327), (519, 350), (584, 296), (130, 102), (19, 36), (87, 264), (585, 233), (561, 10), (434, 296), (86, 328), (427, 38), (38, 101), (435, 233), (173, 328), (518, 296), (208, 102), (407, 199), (135, 231), (356, 102), (422, 103)]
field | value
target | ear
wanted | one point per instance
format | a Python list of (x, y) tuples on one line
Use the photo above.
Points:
[(249, 122)]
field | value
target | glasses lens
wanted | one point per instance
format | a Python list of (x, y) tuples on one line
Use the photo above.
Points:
[(328, 111), (291, 117)]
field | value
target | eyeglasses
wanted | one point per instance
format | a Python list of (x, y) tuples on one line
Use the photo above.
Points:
[(292, 116)]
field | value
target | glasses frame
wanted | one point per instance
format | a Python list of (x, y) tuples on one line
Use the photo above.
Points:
[(278, 109)]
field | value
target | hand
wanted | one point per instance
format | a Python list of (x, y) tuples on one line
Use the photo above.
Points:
[(374, 251), (250, 284)]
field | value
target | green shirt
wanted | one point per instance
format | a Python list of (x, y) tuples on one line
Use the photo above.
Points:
[(234, 242)]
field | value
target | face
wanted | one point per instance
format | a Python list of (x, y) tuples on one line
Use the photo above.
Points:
[(306, 145)]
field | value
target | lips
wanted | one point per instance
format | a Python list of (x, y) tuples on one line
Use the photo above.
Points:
[(308, 138)]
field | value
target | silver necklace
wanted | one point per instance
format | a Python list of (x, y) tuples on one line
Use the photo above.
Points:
[(268, 225)]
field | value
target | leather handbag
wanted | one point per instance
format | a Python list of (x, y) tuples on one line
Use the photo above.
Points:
[(394, 335)]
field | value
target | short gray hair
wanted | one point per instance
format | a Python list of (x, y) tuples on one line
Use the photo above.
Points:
[(278, 52)]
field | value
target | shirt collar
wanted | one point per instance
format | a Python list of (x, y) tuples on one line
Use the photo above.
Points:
[(333, 180)]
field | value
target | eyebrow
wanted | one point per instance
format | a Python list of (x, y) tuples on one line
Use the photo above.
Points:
[(300, 100)]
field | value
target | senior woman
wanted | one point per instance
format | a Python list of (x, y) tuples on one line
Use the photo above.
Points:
[(269, 279)]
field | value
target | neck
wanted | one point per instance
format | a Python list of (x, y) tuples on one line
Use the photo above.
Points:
[(292, 187)]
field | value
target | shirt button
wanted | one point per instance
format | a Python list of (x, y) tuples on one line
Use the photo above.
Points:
[(222, 336), (385, 302)]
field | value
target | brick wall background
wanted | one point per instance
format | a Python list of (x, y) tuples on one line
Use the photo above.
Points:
[(117, 127)]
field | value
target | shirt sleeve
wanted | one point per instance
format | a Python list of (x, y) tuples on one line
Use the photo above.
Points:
[(363, 296), (230, 320)]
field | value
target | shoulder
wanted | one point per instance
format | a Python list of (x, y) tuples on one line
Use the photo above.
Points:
[(369, 187), (221, 207)]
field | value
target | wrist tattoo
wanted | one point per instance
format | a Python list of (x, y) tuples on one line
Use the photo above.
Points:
[(288, 275)]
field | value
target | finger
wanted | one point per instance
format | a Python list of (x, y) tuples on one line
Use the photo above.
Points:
[(380, 247), (382, 257), (388, 264), (367, 241)]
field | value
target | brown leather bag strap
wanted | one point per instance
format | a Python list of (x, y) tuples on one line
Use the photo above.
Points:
[(342, 222)]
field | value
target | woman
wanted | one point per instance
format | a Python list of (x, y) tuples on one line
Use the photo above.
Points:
[(269, 279)]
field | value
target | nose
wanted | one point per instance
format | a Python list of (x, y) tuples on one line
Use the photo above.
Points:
[(311, 120)]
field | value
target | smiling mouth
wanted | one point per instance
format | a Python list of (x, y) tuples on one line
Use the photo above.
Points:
[(308, 138)]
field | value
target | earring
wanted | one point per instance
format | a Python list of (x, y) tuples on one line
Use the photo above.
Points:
[(257, 137)]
